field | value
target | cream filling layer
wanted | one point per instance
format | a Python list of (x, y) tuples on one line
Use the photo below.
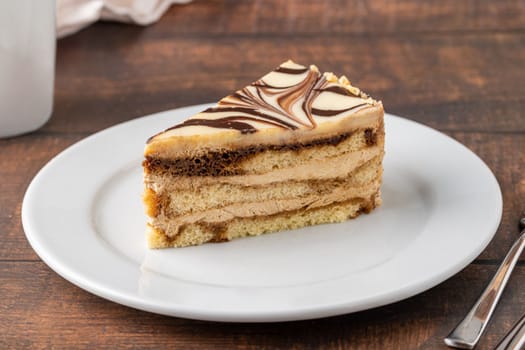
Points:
[(252, 209), (182, 202), (330, 168)]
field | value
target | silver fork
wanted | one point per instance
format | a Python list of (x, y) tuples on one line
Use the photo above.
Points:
[(515, 339), (467, 333)]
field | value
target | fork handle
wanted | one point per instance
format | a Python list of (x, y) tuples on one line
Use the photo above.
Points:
[(469, 330), (515, 339)]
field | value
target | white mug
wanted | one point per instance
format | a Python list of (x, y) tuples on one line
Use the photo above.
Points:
[(27, 64)]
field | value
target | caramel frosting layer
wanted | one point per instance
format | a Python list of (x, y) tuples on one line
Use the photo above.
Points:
[(291, 101), (334, 167)]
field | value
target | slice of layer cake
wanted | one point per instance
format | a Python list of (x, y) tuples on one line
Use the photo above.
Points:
[(294, 148)]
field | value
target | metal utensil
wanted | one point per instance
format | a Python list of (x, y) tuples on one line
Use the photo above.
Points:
[(515, 339), (469, 330)]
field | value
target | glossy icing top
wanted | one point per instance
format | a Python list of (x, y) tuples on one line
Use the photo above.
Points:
[(290, 97)]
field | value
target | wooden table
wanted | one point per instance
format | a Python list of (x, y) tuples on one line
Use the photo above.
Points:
[(457, 66)]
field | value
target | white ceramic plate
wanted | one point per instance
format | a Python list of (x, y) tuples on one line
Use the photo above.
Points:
[(83, 216)]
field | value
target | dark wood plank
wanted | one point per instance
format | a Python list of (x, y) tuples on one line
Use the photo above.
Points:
[(354, 17), (447, 82), (42, 310)]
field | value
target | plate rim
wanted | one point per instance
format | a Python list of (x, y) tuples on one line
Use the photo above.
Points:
[(134, 301)]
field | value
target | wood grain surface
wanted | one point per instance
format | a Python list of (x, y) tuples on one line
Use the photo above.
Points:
[(457, 66)]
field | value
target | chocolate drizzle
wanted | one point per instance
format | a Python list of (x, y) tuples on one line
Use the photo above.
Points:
[(332, 112), (275, 101), (222, 123), (339, 90), (290, 70)]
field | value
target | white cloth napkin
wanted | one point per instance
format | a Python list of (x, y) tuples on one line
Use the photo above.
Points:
[(73, 15)]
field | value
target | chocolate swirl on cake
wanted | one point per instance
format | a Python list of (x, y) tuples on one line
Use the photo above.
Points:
[(290, 97)]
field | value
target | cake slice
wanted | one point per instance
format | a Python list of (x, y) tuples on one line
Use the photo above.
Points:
[(292, 149)]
